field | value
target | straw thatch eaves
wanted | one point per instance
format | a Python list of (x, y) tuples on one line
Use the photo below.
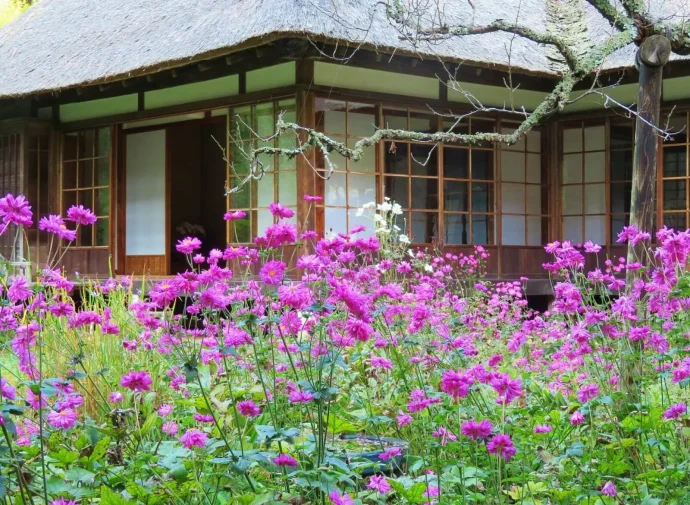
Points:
[(61, 44)]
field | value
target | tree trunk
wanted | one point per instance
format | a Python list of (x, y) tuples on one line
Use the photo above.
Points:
[(651, 57)]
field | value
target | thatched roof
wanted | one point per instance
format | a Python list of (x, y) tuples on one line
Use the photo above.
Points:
[(60, 44)]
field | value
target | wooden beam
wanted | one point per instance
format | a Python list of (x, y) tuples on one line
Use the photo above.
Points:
[(306, 116)]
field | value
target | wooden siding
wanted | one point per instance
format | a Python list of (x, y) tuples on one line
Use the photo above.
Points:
[(11, 181), (146, 265)]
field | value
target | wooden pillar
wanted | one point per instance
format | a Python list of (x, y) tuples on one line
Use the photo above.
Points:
[(306, 116), (651, 58)]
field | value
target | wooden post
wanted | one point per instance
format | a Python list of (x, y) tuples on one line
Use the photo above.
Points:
[(652, 55)]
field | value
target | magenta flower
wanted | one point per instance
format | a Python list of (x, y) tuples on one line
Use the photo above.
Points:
[(300, 397), (63, 501), (15, 210), (115, 397), (194, 438), (542, 428), (390, 453), (165, 410), (248, 408), (136, 381), (7, 390), (170, 428), (403, 419), (455, 384), (577, 418), (284, 460), (379, 483), (272, 272), (19, 290), (234, 215), (188, 245), (675, 411), (501, 445), (64, 420), (56, 225), (587, 392), (609, 489), (338, 499), (476, 430), (281, 212), (203, 418), (80, 215)]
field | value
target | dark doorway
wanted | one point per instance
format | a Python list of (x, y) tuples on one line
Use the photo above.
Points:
[(197, 186)]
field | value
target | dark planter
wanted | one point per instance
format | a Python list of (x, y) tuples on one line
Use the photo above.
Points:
[(392, 466)]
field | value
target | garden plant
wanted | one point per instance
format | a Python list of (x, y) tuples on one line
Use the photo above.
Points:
[(350, 369)]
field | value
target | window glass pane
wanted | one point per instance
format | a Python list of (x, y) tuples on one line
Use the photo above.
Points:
[(482, 125), (595, 167), (620, 197), (572, 168), (264, 122), (102, 175), (69, 198), (482, 197), (395, 119), (674, 161), (675, 220), (423, 123), (534, 168), (102, 202), (457, 229), (395, 159), (482, 229), (513, 196), (482, 165), (368, 161), (241, 123), (103, 148), (361, 119), (534, 141), (595, 138), (674, 195), (85, 173), (456, 163), (513, 230), (572, 140), (264, 219), (424, 227), (336, 189), (572, 229), (455, 196), (361, 189), (102, 232), (595, 199), (424, 159), (534, 205), (240, 199), (572, 200), (397, 189), (621, 165), (240, 230), (264, 191), (512, 166), (617, 225), (69, 175), (85, 198), (517, 146), (595, 229), (424, 193), (86, 143), (287, 188), (69, 146), (336, 220), (354, 221), (621, 135), (536, 230), (85, 236)]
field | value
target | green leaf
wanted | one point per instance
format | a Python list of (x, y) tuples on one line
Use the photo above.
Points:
[(109, 497), (56, 485)]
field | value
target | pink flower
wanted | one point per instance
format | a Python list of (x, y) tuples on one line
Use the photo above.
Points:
[(234, 215), (501, 445), (444, 435), (390, 453), (476, 430), (194, 438), (284, 460), (338, 499), (19, 290), (379, 483), (203, 418), (280, 211), (542, 428), (170, 428), (7, 390), (248, 408), (300, 397), (56, 225), (455, 384), (115, 397), (15, 210), (609, 489), (65, 419), (577, 418), (587, 392), (675, 411), (403, 419), (165, 410), (136, 381), (80, 215), (188, 245), (63, 501), (272, 272)]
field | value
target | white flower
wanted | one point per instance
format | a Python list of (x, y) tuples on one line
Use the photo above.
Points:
[(370, 205), (378, 218), (428, 268), (385, 207), (404, 239), (410, 253), (360, 212), (397, 209), (396, 227)]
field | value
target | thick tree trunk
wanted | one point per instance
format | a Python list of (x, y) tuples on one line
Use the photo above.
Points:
[(651, 57)]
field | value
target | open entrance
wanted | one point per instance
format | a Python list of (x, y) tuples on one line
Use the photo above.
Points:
[(174, 187)]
